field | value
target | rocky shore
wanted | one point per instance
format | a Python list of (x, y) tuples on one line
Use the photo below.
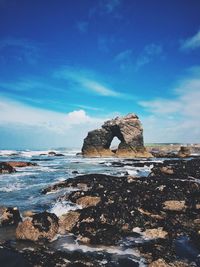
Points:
[(157, 216)]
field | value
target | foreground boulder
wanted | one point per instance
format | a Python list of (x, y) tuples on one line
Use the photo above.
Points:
[(40, 226), (127, 129), (6, 168), (9, 216)]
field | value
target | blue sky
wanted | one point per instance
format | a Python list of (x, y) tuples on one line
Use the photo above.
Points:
[(66, 66)]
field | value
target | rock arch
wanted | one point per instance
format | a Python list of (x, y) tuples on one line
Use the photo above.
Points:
[(127, 129)]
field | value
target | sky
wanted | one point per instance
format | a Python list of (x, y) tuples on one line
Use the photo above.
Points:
[(66, 66)]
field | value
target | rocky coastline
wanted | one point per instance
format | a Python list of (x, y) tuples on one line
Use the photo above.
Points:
[(158, 216)]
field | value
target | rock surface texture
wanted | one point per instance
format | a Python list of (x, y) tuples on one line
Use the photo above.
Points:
[(127, 129)]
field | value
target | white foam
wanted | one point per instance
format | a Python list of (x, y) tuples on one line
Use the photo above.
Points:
[(11, 187), (108, 249), (8, 152), (63, 207)]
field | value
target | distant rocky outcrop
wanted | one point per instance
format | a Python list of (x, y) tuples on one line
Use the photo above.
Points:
[(127, 129), (6, 168)]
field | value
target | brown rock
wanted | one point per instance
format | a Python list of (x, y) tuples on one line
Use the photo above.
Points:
[(127, 129), (184, 152), (167, 170), (155, 233), (40, 226), (88, 201), (28, 213), (174, 205), (83, 239), (6, 168), (68, 221), (21, 164), (159, 263)]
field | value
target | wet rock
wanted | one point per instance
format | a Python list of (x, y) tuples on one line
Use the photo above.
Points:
[(40, 226), (155, 233), (183, 169), (6, 168), (9, 216), (53, 153), (88, 201), (184, 152), (59, 155), (20, 164), (68, 221), (28, 213), (74, 172), (159, 263), (174, 205), (127, 129), (161, 154)]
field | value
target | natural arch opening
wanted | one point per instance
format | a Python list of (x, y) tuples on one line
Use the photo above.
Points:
[(114, 144)]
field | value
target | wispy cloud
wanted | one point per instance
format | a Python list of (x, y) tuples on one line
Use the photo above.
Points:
[(106, 43), (86, 80), (129, 61), (125, 59), (82, 26), (110, 5), (20, 49), (177, 119), (191, 43), (86, 107), (150, 53), (106, 7)]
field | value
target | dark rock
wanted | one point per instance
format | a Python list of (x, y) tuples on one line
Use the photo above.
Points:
[(184, 152), (9, 216), (127, 129), (6, 168), (59, 155), (39, 226), (74, 172), (52, 153)]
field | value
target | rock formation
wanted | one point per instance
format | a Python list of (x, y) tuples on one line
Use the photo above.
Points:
[(43, 225), (127, 129), (9, 216)]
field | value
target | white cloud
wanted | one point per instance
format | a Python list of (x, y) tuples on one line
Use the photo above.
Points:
[(175, 120), (191, 43), (58, 128), (85, 80)]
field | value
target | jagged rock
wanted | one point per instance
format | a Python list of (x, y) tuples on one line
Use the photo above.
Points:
[(6, 168), (155, 233), (9, 216), (127, 129), (184, 152), (88, 201), (68, 221), (159, 263), (40, 226)]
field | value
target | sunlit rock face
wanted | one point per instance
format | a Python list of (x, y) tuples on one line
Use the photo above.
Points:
[(127, 129)]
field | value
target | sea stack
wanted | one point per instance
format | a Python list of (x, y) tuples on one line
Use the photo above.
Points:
[(127, 129)]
